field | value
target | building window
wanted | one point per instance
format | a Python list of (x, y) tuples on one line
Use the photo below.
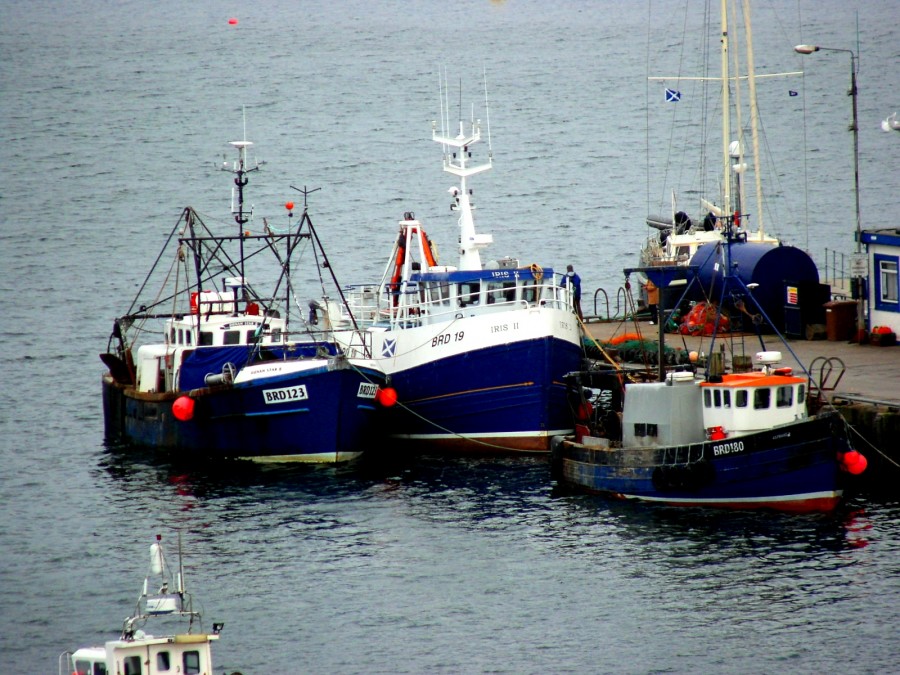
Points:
[(887, 291)]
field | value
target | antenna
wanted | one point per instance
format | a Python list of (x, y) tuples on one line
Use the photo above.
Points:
[(487, 112)]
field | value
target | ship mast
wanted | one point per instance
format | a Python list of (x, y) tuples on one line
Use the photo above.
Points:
[(457, 155)]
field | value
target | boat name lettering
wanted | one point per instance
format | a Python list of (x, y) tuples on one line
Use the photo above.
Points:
[(238, 323), (285, 394), (447, 338), (503, 327), (501, 274), (367, 390), (728, 448)]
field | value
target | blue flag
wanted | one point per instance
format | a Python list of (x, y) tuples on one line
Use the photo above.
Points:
[(672, 96)]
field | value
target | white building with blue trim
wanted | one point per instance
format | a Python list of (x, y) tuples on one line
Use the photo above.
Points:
[(883, 252)]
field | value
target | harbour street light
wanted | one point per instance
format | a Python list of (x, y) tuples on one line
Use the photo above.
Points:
[(859, 262)]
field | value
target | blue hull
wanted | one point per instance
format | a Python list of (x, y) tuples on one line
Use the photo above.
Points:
[(506, 397), (331, 423), (790, 468)]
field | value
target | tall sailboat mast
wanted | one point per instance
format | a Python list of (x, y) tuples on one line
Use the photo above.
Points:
[(726, 115)]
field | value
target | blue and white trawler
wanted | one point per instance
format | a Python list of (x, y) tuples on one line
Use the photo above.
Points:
[(475, 352)]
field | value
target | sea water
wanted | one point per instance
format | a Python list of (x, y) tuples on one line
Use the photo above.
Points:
[(117, 116)]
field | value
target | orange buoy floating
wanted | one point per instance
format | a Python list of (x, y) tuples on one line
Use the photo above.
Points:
[(386, 396), (183, 408), (232, 21), (289, 206), (854, 462)]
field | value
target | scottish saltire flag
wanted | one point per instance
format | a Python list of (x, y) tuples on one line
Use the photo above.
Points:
[(387, 350), (672, 96), (791, 92)]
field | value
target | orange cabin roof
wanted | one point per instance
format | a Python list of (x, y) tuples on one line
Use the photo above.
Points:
[(754, 379)]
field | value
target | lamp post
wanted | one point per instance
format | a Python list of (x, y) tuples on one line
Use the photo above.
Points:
[(854, 127)]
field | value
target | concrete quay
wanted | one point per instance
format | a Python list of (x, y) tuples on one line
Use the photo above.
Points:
[(867, 394)]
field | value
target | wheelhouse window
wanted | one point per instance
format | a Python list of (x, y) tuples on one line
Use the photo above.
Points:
[(500, 292), (206, 338), (89, 668), (740, 398), (719, 398), (468, 293), (784, 397), (232, 337), (191, 662), (132, 665), (440, 291), (163, 662), (642, 429), (762, 398)]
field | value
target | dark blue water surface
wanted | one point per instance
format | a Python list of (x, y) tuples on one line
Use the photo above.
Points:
[(117, 115)]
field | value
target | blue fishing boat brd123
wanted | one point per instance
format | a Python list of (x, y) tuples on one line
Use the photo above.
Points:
[(232, 373)]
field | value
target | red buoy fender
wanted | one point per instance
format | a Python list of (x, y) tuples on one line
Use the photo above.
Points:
[(183, 408)]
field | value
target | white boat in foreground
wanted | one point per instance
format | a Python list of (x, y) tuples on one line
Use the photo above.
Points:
[(187, 650)]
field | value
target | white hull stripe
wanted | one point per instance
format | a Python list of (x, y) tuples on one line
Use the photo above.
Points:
[(829, 494), (492, 434)]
